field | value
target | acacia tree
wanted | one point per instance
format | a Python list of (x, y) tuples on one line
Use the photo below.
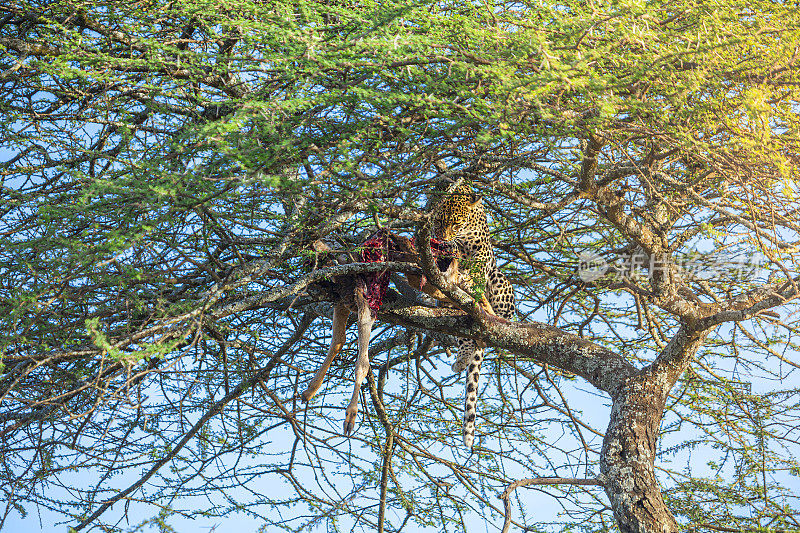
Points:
[(167, 167)]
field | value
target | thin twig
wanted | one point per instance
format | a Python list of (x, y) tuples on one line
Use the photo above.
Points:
[(505, 496)]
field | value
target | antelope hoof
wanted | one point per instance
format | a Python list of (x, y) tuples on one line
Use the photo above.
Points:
[(349, 423), (308, 394)]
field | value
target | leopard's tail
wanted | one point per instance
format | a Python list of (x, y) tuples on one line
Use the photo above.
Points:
[(471, 397)]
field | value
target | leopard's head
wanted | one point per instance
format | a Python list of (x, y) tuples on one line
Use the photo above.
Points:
[(455, 212)]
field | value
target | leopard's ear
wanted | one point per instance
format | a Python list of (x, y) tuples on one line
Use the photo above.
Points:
[(472, 197)]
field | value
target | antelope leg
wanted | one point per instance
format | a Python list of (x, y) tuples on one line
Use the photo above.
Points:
[(340, 314), (365, 322)]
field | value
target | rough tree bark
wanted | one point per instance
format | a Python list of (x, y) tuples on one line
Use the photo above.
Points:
[(627, 457)]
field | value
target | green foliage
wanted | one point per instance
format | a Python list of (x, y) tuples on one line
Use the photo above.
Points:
[(167, 165)]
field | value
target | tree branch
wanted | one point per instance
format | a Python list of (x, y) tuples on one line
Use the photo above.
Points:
[(545, 344), (214, 410), (506, 495)]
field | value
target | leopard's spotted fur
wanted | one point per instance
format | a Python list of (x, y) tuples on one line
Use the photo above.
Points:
[(460, 217)]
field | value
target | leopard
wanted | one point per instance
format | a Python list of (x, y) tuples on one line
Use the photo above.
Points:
[(460, 217)]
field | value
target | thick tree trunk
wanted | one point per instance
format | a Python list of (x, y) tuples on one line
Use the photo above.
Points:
[(628, 456), (629, 447)]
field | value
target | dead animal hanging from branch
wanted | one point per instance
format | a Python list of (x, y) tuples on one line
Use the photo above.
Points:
[(363, 294)]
